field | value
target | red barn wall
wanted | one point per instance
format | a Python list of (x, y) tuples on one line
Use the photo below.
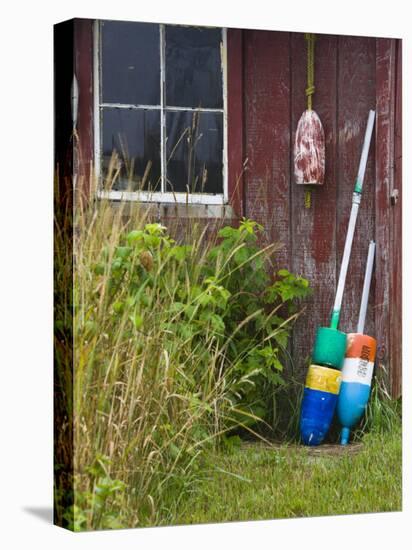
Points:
[(266, 96), (352, 76)]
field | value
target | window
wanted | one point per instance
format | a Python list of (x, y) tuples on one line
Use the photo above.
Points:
[(160, 112)]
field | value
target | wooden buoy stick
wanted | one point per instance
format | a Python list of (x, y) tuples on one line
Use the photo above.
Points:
[(366, 287), (356, 199)]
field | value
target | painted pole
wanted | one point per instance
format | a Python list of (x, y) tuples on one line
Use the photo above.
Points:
[(366, 287), (358, 365), (356, 199), (330, 343)]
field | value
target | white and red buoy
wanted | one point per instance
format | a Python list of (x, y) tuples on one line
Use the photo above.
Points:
[(309, 149), (309, 152)]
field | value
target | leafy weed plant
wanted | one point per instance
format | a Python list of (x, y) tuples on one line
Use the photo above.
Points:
[(176, 344)]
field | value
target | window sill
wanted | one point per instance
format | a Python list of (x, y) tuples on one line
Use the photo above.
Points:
[(178, 205), (162, 210), (162, 198)]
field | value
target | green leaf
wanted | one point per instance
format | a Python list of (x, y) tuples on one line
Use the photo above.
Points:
[(137, 320), (117, 264), (98, 269), (186, 331), (181, 252), (152, 241), (177, 307), (174, 450), (275, 378), (277, 364), (190, 311), (217, 323), (228, 233), (135, 236), (123, 252), (282, 337), (241, 256), (154, 229), (118, 307), (250, 226), (205, 299)]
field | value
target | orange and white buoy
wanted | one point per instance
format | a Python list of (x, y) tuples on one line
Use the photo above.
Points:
[(358, 365)]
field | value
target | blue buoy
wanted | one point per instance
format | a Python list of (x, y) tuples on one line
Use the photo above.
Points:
[(319, 401), (352, 402)]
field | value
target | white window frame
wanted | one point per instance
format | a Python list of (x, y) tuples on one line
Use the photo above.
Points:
[(157, 196)]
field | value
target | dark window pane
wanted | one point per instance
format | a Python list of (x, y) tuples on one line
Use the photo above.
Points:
[(193, 67), (130, 63), (194, 152), (135, 135)]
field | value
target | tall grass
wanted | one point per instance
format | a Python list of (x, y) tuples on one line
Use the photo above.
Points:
[(383, 413), (138, 402), (156, 379)]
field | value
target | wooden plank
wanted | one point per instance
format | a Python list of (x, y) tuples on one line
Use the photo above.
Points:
[(384, 160), (356, 96), (313, 229), (235, 118), (267, 127), (83, 67), (396, 236)]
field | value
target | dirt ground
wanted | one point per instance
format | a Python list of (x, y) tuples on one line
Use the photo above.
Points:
[(326, 449)]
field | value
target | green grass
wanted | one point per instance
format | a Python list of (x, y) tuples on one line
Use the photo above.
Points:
[(255, 483)]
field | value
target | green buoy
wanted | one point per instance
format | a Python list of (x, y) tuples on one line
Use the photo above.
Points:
[(329, 348)]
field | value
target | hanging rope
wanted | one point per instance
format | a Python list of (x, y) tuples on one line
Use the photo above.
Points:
[(310, 89), (308, 198)]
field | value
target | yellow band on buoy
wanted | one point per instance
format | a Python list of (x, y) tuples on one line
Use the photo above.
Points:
[(323, 379)]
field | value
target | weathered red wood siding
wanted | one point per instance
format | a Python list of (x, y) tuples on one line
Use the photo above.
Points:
[(396, 239), (83, 67), (352, 75), (356, 96), (266, 96), (384, 129), (267, 92), (235, 119)]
